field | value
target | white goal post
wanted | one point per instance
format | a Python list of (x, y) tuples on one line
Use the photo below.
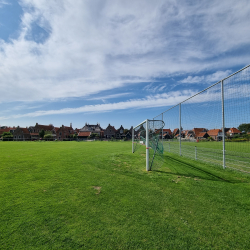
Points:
[(143, 132)]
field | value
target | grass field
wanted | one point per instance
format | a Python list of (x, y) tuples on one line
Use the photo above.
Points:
[(97, 195), (237, 153)]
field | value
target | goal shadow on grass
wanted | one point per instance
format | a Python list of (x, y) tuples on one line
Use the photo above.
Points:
[(188, 168)]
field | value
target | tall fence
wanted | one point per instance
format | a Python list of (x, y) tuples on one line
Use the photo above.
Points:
[(214, 125)]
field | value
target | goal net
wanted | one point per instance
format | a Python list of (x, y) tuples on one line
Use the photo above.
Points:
[(149, 134)]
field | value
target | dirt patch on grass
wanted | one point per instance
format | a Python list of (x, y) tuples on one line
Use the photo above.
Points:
[(98, 189)]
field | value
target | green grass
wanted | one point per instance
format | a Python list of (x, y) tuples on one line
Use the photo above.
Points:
[(230, 146), (97, 195), (237, 153)]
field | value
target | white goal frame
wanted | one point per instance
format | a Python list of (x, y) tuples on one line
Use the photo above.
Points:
[(147, 147), (148, 167)]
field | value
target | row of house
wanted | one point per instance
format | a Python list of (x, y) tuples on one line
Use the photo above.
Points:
[(65, 132), (199, 133)]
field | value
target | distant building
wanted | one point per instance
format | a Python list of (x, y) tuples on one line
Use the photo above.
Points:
[(120, 133), (216, 134), (21, 134), (233, 131), (97, 129), (110, 132), (64, 132)]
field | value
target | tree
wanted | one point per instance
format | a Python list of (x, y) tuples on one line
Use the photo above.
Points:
[(48, 135), (7, 135), (42, 133), (74, 136), (244, 127), (93, 135)]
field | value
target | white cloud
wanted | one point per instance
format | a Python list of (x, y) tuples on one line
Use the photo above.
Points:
[(110, 96), (212, 78), (3, 2), (155, 87), (93, 46), (152, 101)]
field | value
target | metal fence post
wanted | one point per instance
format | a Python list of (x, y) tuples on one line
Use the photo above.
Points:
[(162, 130), (223, 124), (195, 150), (169, 147), (147, 146), (180, 126), (133, 140)]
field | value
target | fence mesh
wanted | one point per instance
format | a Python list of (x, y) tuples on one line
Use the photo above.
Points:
[(214, 125), (155, 144), (139, 138)]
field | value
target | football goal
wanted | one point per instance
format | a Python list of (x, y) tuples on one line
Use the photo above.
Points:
[(149, 134)]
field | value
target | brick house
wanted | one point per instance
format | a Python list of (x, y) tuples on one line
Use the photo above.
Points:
[(21, 134), (64, 132), (232, 132), (35, 130), (216, 134), (167, 133), (97, 129), (189, 134), (120, 133), (197, 131), (110, 132), (202, 136)]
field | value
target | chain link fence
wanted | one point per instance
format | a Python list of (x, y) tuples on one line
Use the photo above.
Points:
[(214, 125)]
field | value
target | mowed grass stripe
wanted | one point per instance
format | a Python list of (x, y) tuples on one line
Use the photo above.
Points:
[(97, 195)]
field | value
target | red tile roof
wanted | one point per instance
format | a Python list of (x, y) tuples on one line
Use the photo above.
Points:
[(25, 130), (198, 130), (213, 132), (175, 130), (234, 130), (85, 134), (201, 134), (4, 130)]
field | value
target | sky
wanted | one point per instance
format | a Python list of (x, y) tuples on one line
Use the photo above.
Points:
[(113, 62)]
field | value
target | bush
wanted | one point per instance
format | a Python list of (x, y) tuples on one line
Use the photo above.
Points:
[(239, 139), (210, 138)]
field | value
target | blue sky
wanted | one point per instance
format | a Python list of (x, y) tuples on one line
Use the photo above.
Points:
[(117, 62)]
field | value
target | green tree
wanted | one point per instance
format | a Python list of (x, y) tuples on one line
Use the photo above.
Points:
[(48, 135), (6, 136), (42, 133), (244, 127), (74, 136), (93, 135)]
